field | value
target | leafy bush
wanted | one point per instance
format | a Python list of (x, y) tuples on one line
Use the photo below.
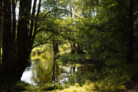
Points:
[(112, 80), (46, 86), (72, 58), (50, 86), (20, 86)]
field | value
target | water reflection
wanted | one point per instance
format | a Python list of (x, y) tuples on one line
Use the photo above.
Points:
[(41, 72), (28, 75)]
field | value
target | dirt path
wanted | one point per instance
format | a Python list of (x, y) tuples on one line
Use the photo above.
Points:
[(131, 90), (134, 88)]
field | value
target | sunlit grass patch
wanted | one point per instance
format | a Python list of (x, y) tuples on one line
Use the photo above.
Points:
[(87, 87), (111, 80)]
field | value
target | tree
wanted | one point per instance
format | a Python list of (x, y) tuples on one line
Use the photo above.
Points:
[(18, 37), (130, 52), (15, 51), (1, 27)]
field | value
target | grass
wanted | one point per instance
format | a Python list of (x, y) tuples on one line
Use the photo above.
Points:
[(88, 87), (85, 88)]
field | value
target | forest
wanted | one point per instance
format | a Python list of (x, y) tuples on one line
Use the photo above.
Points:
[(68, 45)]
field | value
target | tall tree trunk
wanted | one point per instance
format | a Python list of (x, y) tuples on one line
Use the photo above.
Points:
[(17, 44), (6, 30), (1, 28), (6, 42), (79, 48), (22, 36), (13, 20), (32, 20), (55, 51), (130, 53), (8, 59), (72, 44), (73, 47), (34, 24), (55, 44), (54, 63)]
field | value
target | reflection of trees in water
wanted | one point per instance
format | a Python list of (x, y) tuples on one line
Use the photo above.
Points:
[(80, 74), (43, 71), (43, 74), (72, 74)]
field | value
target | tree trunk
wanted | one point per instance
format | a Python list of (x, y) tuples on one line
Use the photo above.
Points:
[(6, 30), (8, 57), (17, 42), (79, 48), (1, 28), (15, 52), (73, 47), (55, 44), (55, 51), (13, 20), (22, 36), (32, 20), (130, 53)]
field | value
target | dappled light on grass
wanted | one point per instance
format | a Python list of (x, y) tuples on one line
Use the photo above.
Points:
[(87, 87)]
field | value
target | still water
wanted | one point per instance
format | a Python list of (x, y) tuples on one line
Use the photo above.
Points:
[(27, 75), (42, 72)]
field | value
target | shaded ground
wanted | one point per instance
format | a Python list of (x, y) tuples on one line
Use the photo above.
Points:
[(132, 87)]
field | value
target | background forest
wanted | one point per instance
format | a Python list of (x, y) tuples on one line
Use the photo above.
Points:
[(99, 37)]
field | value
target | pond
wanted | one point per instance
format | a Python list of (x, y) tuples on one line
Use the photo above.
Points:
[(41, 72)]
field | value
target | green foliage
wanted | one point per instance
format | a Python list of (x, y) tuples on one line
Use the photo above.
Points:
[(131, 70), (115, 80), (72, 58), (47, 86), (108, 79), (50, 86), (59, 86), (20, 86)]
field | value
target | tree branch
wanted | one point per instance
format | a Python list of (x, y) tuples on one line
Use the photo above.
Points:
[(42, 42), (42, 29)]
